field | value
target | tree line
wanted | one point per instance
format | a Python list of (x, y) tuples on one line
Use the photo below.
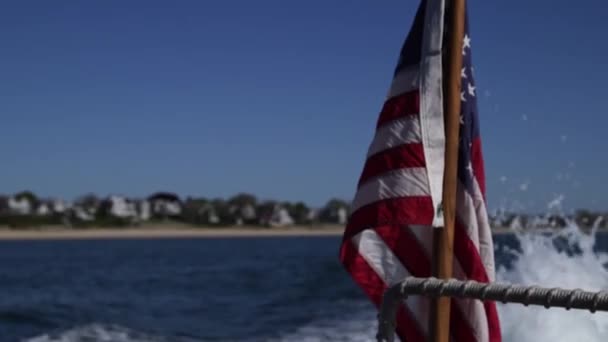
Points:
[(26, 209)]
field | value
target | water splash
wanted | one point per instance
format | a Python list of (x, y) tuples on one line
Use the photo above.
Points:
[(559, 259)]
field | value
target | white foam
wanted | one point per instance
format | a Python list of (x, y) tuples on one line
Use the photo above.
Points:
[(98, 333), (539, 263), (358, 325)]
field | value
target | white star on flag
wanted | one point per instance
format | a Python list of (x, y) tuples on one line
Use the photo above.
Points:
[(471, 89), (470, 168), (466, 44)]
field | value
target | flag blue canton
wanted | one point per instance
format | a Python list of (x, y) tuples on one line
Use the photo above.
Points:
[(469, 117)]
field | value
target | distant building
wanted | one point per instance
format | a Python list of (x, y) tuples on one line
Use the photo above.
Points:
[(165, 205), (20, 206), (280, 217), (122, 207), (144, 210), (82, 214), (335, 212), (243, 214), (44, 209), (58, 206)]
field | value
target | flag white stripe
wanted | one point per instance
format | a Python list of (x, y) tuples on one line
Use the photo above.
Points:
[(394, 184), (395, 133), (472, 212), (431, 102), (473, 311), (486, 242), (465, 211), (387, 266), (405, 81)]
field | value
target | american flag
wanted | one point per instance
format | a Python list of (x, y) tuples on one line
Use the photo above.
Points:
[(389, 235)]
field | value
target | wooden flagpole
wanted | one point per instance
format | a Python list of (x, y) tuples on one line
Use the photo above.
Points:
[(444, 237)]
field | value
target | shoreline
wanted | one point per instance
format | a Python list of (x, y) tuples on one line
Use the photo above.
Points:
[(166, 232), (179, 232)]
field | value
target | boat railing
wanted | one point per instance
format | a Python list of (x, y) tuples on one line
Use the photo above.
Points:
[(499, 292)]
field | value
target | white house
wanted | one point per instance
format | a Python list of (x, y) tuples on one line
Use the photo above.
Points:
[(516, 223), (342, 215), (43, 209), (122, 207), (58, 206), (21, 206), (144, 210), (280, 217), (165, 204), (82, 214)]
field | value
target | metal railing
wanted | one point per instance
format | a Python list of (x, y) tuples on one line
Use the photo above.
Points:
[(506, 293)]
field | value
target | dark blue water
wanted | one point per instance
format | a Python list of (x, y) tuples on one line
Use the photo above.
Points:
[(252, 289)]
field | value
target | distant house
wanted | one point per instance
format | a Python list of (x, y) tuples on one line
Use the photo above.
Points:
[(20, 205), (243, 214), (82, 214), (275, 215), (122, 207), (539, 221), (335, 211), (281, 218), (200, 211), (313, 215), (44, 208), (58, 206), (557, 221), (342, 215), (47, 207), (516, 223), (89, 204), (144, 210), (208, 214), (165, 205)]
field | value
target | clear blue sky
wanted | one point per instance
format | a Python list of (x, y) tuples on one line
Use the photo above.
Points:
[(279, 98)]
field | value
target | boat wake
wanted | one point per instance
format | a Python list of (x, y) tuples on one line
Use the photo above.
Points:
[(359, 325), (103, 333), (565, 259)]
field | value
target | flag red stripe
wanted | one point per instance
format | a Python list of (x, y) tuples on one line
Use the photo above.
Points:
[(392, 211), (468, 256), (406, 247), (374, 287), (493, 321), (400, 106), (400, 157), (460, 330)]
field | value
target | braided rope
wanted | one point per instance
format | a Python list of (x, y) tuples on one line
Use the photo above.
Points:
[(505, 293)]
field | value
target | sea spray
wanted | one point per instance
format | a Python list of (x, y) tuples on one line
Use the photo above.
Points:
[(565, 259)]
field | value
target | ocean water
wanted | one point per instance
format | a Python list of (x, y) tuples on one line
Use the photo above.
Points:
[(253, 289)]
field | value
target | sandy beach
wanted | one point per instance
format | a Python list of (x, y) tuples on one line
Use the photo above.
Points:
[(152, 232), (172, 231)]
